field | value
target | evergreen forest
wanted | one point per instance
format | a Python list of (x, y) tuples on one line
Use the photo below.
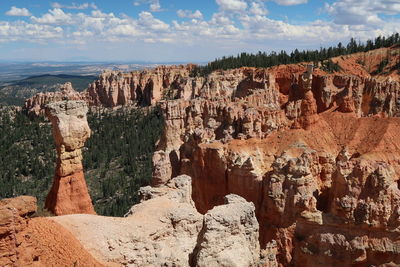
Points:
[(265, 60)]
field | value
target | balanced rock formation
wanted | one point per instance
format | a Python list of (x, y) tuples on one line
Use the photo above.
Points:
[(69, 193), (165, 229)]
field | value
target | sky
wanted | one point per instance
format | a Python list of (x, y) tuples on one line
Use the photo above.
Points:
[(183, 30)]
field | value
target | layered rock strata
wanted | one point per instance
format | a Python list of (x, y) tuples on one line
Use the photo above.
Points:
[(281, 146), (69, 193), (141, 87), (329, 190), (289, 102), (166, 229)]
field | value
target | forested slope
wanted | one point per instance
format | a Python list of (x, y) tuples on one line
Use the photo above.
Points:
[(117, 157), (323, 55)]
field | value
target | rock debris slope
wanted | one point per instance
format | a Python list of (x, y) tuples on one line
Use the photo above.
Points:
[(69, 193), (26, 241)]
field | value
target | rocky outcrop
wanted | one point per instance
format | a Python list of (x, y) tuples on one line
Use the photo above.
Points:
[(35, 105), (301, 92), (364, 197), (166, 229), (162, 168), (143, 88), (69, 193), (265, 107), (26, 241), (229, 236)]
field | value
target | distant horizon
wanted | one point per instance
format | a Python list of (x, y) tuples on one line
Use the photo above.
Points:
[(4, 61)]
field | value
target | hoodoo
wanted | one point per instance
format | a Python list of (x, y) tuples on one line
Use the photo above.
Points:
[(69, 193)]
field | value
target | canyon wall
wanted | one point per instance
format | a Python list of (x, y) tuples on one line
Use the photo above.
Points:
[(317, 154), (69, 193)]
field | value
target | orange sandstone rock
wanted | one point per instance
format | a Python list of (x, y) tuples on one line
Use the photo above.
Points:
[(36, 242)]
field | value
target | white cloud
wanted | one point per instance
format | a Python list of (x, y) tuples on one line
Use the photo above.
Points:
[(74, 6), (258, 9), (23, 31), (362, 12), (147, 20), (15, 11), (154, 5), (290, 2), (189, 14), (232, 5), (55, 16), (83, 34)]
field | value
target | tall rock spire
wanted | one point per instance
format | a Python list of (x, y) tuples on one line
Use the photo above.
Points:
[(69, 193)]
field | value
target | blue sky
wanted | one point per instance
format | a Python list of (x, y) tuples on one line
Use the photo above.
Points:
[(184, 31)]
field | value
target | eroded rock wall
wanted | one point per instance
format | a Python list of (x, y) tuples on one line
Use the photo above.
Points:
[(13, 220), (35, 105), (283, 146), (307, 185), (317, 154)]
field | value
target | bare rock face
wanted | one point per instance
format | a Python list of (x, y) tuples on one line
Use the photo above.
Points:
[(161, 230), (254, 103), (142, 87), (365, 198), (161, 168), (280, 145), (229, 236), (69, 193), (307, 184), (165, 229), (13, 219)]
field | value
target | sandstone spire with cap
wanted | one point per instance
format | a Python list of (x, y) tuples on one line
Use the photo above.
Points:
[(69, 193)]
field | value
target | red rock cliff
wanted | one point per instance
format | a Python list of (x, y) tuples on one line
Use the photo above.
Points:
[(316, 153)]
